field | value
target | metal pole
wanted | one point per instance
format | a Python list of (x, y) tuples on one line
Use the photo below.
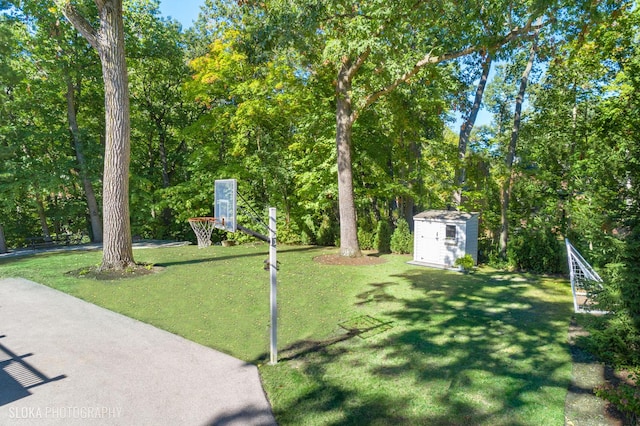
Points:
[(273, 268)]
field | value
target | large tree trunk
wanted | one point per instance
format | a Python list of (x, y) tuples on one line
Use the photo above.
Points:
[(349, 245), (465, 131), (108, 41), (117, 247), (507, 183), (92, 204)]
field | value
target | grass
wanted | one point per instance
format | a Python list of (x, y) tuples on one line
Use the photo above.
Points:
[(379, 344)]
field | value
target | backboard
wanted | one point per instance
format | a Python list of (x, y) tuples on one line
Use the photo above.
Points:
[(224, 208)]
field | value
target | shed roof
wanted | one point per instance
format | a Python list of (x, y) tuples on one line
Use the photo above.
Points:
[(445, 215)]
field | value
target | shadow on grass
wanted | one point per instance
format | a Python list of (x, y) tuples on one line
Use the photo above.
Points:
[(239, 255), (486, 348), (58, 253)]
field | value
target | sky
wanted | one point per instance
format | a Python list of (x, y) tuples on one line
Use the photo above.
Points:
[(186, 12), (183, 11)]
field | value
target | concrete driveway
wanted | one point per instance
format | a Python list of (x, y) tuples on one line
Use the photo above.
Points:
[(64, 361)]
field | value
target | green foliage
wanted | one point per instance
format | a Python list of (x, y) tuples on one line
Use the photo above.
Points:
[(288, 233), (383, 237), (466, 263), (327, 233), (402, 240), (630, 287), (367, 239), (625, 397), (536, 250), (615, 124), (614, 339)]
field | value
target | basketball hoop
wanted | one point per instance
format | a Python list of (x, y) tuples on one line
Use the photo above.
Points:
[(203, 226)]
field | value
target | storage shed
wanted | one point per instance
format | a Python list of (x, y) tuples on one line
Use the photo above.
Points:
[(442, 236)]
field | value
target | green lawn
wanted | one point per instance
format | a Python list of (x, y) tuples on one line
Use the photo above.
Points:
[(381, 344)]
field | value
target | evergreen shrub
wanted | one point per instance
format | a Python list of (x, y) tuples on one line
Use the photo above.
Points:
[(536, 250), (383, 237), (328, 233), (366, 239), (402, 240)]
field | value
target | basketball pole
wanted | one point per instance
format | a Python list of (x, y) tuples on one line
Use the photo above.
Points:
[(273, 270), (225, 210)]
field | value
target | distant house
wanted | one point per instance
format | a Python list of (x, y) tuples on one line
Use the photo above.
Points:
[(442, 236)]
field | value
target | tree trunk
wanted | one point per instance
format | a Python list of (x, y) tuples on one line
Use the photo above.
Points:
[(46, 233), (504, 219), (511, 153), (349, 245), (465, 131), (167, 213), (108, 41), (164, 162), (117, 247), (92, 204), (567, 181), (3, 242)]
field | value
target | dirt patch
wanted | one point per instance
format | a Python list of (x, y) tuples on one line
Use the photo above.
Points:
[(95, 273), (336, 259)]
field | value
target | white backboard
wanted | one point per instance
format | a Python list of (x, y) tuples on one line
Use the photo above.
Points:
[(224, 208)]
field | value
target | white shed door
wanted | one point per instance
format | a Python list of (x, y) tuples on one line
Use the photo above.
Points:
[(429, 238)]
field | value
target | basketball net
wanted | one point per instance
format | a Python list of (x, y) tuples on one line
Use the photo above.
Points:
[(203, 227)]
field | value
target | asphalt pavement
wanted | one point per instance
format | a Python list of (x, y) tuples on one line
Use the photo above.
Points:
[(64, 361)]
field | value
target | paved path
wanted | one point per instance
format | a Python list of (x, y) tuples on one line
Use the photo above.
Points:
[(142, 244), (64, 361), (582, 406)]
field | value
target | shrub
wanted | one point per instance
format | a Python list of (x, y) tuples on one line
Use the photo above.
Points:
[(465, 263), (327, 234), (402, 240), (616, 337), (308, 230), (366, 239), (625, 397), (536, 250), (288, 234), (615, 340), (383, 237)]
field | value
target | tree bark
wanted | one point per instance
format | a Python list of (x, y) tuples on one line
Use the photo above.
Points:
[(92, 204), (511, 153), (349, 245), (3, 241), (117, 247), (465, 131), (46, 232), (167, 212), (162, 137), (108, 41)]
